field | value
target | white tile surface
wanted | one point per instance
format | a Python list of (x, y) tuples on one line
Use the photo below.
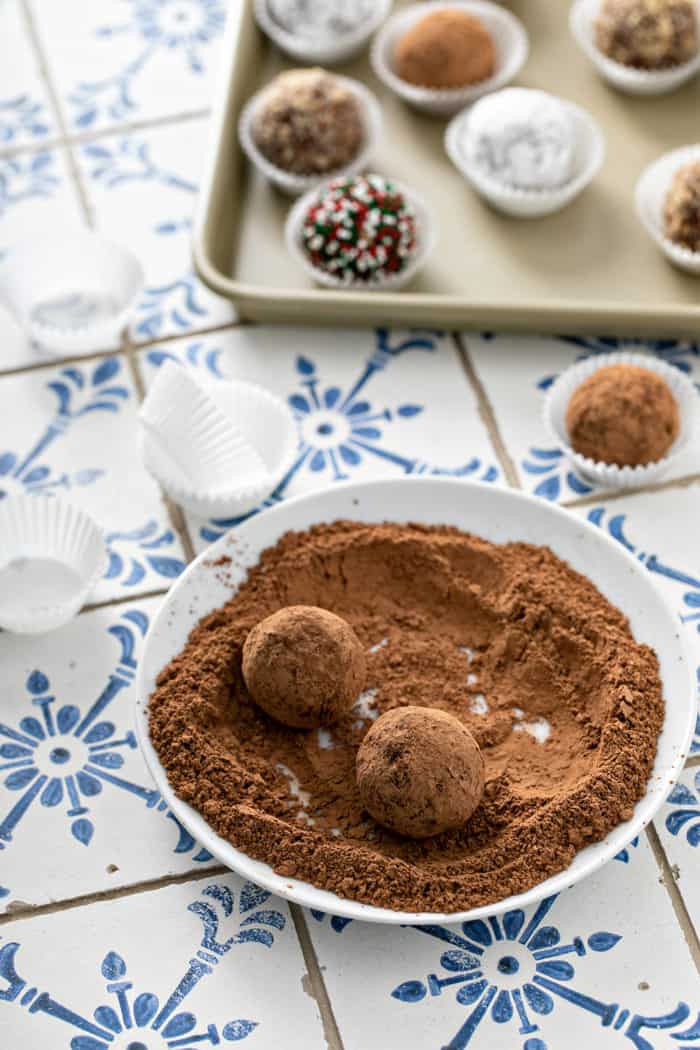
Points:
[(678, 826), (36, 192), (605, 962), (25, 112), (206, 963), (658, 528), (142, 189), (116, 62), (368, 404), (74, 433), (72, 778), (515, 371)]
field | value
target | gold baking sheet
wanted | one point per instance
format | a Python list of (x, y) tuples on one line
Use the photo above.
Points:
[(590, 268)]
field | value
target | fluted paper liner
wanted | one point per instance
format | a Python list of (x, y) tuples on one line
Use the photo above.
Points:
[(320, 51)]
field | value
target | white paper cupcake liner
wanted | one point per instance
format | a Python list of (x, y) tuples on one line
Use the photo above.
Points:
[(531, 203), (625, 78), (71, 290), (607, 474), (507, 31), (290, 183), (265, 421), (51, 556), (425, 242), (650, 197), (326, 51), (205, 443)]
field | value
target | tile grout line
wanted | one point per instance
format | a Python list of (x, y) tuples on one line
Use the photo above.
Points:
[(677, 902), (18, 913), (175, 513), (317, 986), (80, 138), (486, 412), (142, 596), (611, 496), (35, 40)]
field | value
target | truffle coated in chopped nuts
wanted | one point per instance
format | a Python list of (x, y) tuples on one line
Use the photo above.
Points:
[(648, 34), (308, 123), (448, 48), (623, 414), (304, 666), (419, 772), (682, 207)]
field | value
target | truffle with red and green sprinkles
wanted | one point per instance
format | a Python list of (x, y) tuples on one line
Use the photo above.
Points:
[(360, 228)]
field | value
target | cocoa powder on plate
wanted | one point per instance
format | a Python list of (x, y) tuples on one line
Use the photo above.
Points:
[(508, 638)]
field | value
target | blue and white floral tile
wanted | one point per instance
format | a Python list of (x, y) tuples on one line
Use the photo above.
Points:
[(36, 191), (678, 826), (72, 431), (516, 372), (213, 962), (142, 188), (115, 62), (25, 111), (586, 969), (657, 528), (78, 810), (368, 404)]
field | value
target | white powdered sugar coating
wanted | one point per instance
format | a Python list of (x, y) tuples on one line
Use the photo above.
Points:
[(320, 18), (522, 138)]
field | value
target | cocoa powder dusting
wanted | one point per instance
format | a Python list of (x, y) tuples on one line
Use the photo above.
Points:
[(509, 639)]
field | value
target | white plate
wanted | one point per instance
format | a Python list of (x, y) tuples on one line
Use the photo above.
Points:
[(499, 515)]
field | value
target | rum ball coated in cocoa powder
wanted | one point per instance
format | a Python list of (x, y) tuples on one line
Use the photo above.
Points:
[(304, 666), (419, 772), (447, 48), (623, 414)]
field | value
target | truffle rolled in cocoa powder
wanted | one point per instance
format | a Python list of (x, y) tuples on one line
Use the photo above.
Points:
[(448, 48), (623, 414), (304, 666), (420, 772)]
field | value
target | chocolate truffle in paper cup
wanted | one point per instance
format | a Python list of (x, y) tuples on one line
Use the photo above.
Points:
[(439, 57), (320, 31), (526, 152), (667, 197), (364, 231), (51, 556), (308, 125), (642, 47), (622, 418)]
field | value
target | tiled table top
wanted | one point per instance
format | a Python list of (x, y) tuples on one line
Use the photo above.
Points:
[(117, 930)]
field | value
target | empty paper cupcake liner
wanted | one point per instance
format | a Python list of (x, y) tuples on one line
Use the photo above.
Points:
[(607, 474), (205, 443), (71, 290), (650, 197), (531, 203), (266, 423), (324, 51), (287, 181), (507, 31), (625, 78), (425, 242), (51, 556)]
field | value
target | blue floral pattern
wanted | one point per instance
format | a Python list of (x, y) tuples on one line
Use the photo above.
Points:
[(552, 474), (685, 811), (156, 1021), (26, 177), (22, 117), (178, 303), (186, 27), (63, 755), (514, 971), (339, 429)]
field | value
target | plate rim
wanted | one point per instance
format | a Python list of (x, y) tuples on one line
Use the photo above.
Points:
[(316, 899)]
